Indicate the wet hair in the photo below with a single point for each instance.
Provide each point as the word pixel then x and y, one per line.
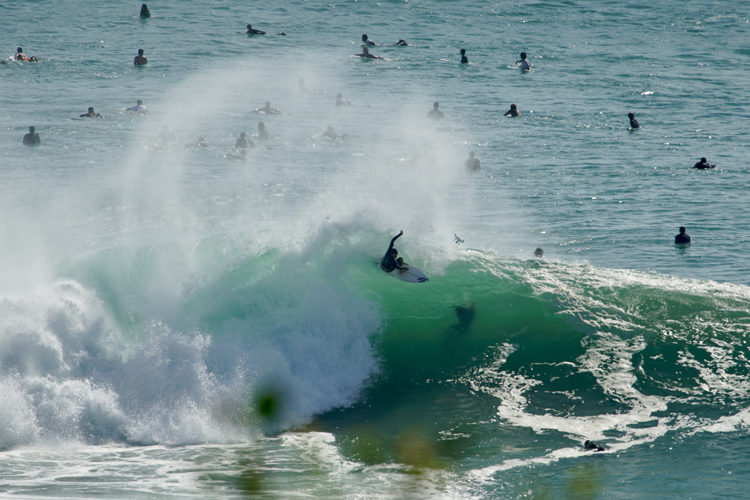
pixel 682 229
pixel 703 160
pixel 523 55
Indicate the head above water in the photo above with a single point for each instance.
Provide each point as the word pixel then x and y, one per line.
pixel 364 37
pixel 703 160
pixel 682 229
pixel 435 105
pixel 139 102
pixel 140 52
pixel 631 115
pixel 19 50
pixel 523 55
pixel 31 129
pixel 463 52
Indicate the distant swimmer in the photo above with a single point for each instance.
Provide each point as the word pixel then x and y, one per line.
pixel 138 108
pixel 243 142
pixel 340 101
pixel 267 109
pixel 366 54
pixel 253 31
pixel 592 446
pixel 538 253
pixel 525 66
pixel 633 122
pixel 703 164
pixel 401 43
pixel 391 260
pixel 32 138
pixel 472 163
pixel 682 238
pixel 464 59
pixel 435 112
pixel 20 56
pixel 513 111
pixel 331 133
pixel 262 132
pixel 90 114
pixel 367 42
pixel 140 59
pixel 145 13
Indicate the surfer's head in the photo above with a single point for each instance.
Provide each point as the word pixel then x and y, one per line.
pixel 703 160
pixel 523 55
pixel 682 229
pixel 364 37
pixel 435 105
pixel 463 52
pixel 31 129
pixel 631 115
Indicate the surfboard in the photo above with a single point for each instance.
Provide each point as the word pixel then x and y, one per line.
pixel 413 275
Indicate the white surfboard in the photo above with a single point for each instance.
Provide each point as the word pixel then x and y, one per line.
pixel 413 275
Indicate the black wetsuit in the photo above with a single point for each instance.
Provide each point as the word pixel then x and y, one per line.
pixel 703 165
pixel 682 238
pixel 634 124
pixel 388 262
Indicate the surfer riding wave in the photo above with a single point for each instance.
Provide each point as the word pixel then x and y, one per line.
pixel 391 260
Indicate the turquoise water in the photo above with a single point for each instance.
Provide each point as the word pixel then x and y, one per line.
pixel 180 320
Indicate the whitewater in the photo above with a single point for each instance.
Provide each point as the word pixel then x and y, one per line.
pixel 179 318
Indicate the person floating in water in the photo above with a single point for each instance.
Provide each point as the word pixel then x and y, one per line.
pixel 243 142
pixel 262 132
pixel 464 59
pixel 703 164
pixel 32 138
pixel 682 238
pixel 525 66
pixel 253 31
pixel 340 101
pixel 267 109
pixel 140 59
pixel 145 14
pixel 401 43
pixel 539 253
pixel 138 108
pixel 472 163
pixel 20 56
pixel 366 54
pixel 513 111
pixel 633 122
pixel 592 446
pixel 391 260
pixel 435 112
pixel 90 114
pixel 367 42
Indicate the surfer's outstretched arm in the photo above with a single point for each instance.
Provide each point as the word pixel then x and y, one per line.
pixel 394 239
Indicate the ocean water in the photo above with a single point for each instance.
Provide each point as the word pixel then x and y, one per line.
pixel 187 321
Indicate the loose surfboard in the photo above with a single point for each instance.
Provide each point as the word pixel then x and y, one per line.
pixel 413 275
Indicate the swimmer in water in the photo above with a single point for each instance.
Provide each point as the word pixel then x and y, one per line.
pixel 472 163
pixel 20 56
pixel 464 59
pixel 267 109
pixel 703 164
pixel 367 42
pixel 341 102
pixel 90 114
pixel 145 14
pixel 262 132
pixel 140 59
pixel 538 253
pixel 32 138
pixel 138 108
pixel 332 134
pixel 366 54
pixel 633 122
pixel 525 66
pixel 391 260
pixel 682 238
pixel 243 142
pixel 253 31
pixel 513 111
pixel 592 446
pixel 435 113
pixel 401 43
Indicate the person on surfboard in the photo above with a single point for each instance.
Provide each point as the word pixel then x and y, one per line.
pixel 391 260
